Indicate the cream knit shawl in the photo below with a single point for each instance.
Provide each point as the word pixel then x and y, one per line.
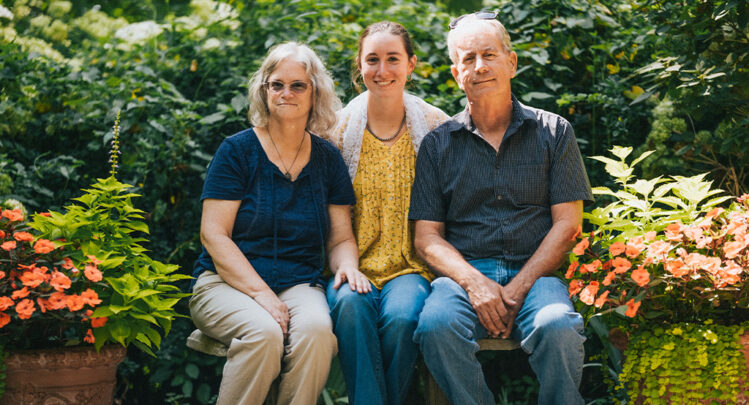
pixel 347 135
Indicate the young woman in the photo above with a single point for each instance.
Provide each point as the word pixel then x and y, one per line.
pixel 379 133
pixel 274 196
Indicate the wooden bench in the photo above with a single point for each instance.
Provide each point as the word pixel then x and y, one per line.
pixel 434 395
pixel 432 391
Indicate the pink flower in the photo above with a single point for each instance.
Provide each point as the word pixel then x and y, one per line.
pixel 659 248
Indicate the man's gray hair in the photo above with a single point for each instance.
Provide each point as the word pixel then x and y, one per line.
pixel 497 26
pixel 325 103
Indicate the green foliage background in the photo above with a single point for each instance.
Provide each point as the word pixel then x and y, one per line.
pixel 657 74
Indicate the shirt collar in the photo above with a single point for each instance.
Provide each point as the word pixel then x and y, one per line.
pixel 520 115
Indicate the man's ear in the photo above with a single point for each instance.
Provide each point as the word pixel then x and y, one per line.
pixel 454 71
pixel 514 62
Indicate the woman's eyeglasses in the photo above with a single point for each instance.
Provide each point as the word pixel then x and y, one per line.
pixel 296 87
pixel 482 15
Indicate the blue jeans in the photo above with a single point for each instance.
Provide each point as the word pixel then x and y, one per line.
pixel 547 327
pixel 375 337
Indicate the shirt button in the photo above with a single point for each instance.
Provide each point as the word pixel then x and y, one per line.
pixel 506 222
pixel 499 197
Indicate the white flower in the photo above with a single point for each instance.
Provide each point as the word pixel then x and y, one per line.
pixel 211 43
pixel 139 32
pixel 5 13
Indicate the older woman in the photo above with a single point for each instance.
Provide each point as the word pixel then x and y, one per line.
pixel 379 133
pixel 276 199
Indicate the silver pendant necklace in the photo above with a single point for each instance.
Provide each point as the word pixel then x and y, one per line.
pixel 287 171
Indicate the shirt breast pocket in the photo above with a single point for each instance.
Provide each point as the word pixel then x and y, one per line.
pixel 529 184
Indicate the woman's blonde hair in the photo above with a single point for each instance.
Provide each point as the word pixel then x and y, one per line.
pixel 325 103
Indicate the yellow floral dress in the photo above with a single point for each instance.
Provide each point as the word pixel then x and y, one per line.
pixel 383 192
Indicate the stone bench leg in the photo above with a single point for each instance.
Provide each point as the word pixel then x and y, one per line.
pixel 432 391
pixel 203 343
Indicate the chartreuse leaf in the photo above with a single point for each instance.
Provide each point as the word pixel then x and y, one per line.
pixel 621 151
pixel 120 331
pixel 644 187
pixel 145 317
pixel 143 338
pixel 642 157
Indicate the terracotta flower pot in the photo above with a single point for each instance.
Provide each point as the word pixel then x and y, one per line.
pixel 77 375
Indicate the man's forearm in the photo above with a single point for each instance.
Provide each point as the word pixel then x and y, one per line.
pixel 444 259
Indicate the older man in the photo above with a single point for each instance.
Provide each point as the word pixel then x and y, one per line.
pixel 497 201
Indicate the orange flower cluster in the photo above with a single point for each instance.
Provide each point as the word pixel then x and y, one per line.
pixel 699 263
pixel 37 277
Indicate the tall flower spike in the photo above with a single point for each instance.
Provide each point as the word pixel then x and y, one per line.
pixel 114 152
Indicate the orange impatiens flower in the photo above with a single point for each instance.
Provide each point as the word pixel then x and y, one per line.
pixel 33 278
pixel 641 276
pixel 734 248
pixel 616 248
pixel 67 263
pixel 609 278
pixel 601 299
pixel 25 309
pixel 92 273
pixel 575 287
pixel 98 322
pixel 22 293
pixel 90 297
pixel 588 294
pixel 579 249
pixel 57 300
pixel 590 267
pixel 13 215
pixel 75 302
pixel 60 281
pixel 571 269
pixel 677 268
pixel 650 236
pixel 42 304
pixel 4 319
pixel 9 245
pixel 621 265
pixel 5 303
pixel 89 337
pixel 2 234
pixel 634 247
pixel 23 236
pixel 673 231
pixel 632 308
pixel 43 246
pixel 94 260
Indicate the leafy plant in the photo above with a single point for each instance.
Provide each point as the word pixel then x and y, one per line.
pixel 686 363
pixel 137 292
pixel 656 246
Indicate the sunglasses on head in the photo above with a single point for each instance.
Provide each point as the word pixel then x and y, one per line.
pixel 277 86
pixel 482 15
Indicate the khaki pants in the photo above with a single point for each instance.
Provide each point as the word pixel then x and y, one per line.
pixel 257 351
